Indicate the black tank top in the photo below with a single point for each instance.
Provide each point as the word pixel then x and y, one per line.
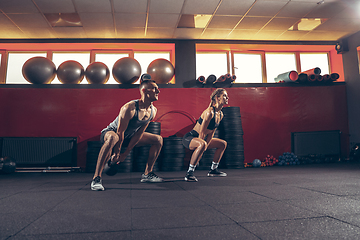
pixel 134 124
pixel 212 124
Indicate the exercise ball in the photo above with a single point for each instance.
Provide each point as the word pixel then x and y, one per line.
pixel 7 164
pixel 70 72
pixel 161 70
pixel 39 70
pixel 256 163
pixel 126 70
pixel 97 73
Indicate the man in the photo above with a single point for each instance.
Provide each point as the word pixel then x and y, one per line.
pixel 128 130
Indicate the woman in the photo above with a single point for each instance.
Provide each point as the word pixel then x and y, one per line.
pixel 201 137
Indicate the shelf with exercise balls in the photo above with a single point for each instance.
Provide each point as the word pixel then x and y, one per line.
pixel 126 70
pixel 97 73
pixel 161 71
pixel 70 72
pixel 39 70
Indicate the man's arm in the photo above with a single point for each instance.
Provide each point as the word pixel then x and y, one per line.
pixel 137 136
pixel 126 113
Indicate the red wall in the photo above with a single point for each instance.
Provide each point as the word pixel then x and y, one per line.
pixel 268 114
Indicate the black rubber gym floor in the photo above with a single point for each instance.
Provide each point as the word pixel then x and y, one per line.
pixel 318 201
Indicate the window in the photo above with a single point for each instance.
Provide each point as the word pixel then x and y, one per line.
pixel 248 68
pixel 215 63
pixel 60 57
pixel 109 60
pixel 145 58
pixel 278 63
pixel 15 64
pixel 313 60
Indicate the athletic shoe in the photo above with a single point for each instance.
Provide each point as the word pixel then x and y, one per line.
pixel 96 184
pixel 216 173
pixel 151 177
pixel 189 177
pixel 111 168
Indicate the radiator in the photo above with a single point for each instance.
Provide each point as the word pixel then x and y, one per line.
pixel 325 143
pixel 45 152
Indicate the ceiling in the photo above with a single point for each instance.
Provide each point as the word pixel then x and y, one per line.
pixel 159 19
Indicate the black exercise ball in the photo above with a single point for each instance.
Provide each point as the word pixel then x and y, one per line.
pixel 126 70
pixel 97 73
pixel 70 72
pixel 39 70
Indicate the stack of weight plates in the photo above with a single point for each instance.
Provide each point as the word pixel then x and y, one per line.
pixel 232 132
pixel 142 153
pixel 172 154
pixel 208 156
pixel 93 149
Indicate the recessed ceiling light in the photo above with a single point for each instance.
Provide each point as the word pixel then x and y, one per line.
pixel 307 24
pixel 201 20
pixel 63 19
pixel 194 21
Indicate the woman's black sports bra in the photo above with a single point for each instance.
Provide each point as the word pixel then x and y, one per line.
pixel 212 124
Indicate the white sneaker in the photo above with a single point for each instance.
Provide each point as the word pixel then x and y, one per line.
pixel 96 184
pixel 151 177
pixel 216 173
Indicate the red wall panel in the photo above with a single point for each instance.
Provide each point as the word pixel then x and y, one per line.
pixel 268 114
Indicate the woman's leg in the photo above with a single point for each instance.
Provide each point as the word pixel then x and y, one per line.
pixel 199 146
pixel 220 146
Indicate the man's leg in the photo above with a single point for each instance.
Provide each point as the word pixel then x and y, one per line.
pixel 110 139
pixel 156 142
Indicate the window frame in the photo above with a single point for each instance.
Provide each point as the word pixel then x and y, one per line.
pixel 262 57
pixel 228 60
pixel 328 58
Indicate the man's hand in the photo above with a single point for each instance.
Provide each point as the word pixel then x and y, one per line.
pixel 118 158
